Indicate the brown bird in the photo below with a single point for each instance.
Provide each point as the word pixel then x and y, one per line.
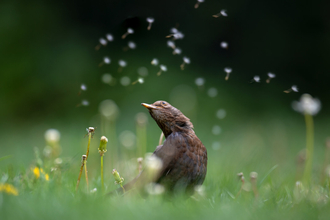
pixel 183 156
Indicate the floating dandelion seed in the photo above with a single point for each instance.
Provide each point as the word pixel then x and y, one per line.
pixel 223 13
pixel 84 102
pixel 198 2
pixel 142 71
pixel 199 81
pixel 176 35
pixel 221 114
pixel 131 45
pixel 224 45
pixel 228 70
pixel 270 76
pixel 83 87
pixel 154 61
pixel 122 64
pixel 174 30
pixel 109 37
pixel 125 81
pixel 307 105
pixel 177 51
pixel 163 68
pixel 293 88
pixel 216 130
pixel 139 80
pixel 150 20
pixel 129 31
pixel 106 60
pixel 255 79
pixel 216 145
pixel 212 92
pixel 106 78
pixel 186 60
pixel 171 44
pixel 102 42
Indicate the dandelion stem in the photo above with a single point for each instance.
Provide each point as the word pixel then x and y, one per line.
pixel 121 185
pixel 81 170
pixel 86 175
pixel 89 143
pixel 309 147
pixel 102 180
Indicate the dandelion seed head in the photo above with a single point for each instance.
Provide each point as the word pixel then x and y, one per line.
pixel 109 109
pixel 109 37
pixel 106 60
pixel 154 61
pixel 153 163
pixel 163 67
pixel 223 12
pixel 122 63
pixel 130 30
pixel 216 145
pixel 84 102
pixel 212 92
pixel 199 81
pixel 178 36
pixel 103 41
pixel 221 113
pixel 52 135
pixel 253 175
pixel 216 130
pixel 83 87
pixel 131 45
pixel 228 70
pixel 125 81
pixel 186 60
pixel 142 71
pixel 224 44
pixel 150 19
pixel 58 161
pixel 106 78
pixel 271 75
pixel 307 105
pixel 256 78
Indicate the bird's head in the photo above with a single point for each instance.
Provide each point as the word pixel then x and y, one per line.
pixel 168 118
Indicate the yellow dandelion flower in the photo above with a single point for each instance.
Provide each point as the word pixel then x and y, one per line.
pixel 9 189
pixel 37 171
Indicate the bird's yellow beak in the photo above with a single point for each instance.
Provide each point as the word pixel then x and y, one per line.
pixel 149 106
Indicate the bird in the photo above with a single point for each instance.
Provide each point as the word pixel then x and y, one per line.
pixel 183 155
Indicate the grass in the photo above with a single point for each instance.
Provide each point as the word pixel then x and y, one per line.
pixel 252 147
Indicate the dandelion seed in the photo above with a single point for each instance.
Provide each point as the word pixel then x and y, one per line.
pixel 154 61
pixel 131 45
pixel 198 2
pixel 223 13
pixel 224 45
pixel 176 36
pixel 177 51
pixel 216 145
pixel 150 20
pixel 228 70
pixel 122 64
pixel 106 60
pixel 125 81
pixel 102 42
pixel 84 102
pixel 174 30
pixel 212 92
pixel 109 37
pixel 199 81
pixel 106 78
pixel 216 130
pixel 163 68
pixel 255 79
pixel 221 114
pixel 270 76
pixel 139 80
pixel 307 105
pixel 142 71
pixel 171 44
pixel 129 31
pixel 83 87
pixel 109 109
pixel 186 60
pixel 293 88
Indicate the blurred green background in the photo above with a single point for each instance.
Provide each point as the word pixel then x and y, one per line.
pixel 48 51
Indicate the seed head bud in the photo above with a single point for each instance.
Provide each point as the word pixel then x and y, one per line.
pixel 118 179
pixel 253 175
pixel 103 145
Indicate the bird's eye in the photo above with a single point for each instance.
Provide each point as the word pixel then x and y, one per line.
pixel 163 103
